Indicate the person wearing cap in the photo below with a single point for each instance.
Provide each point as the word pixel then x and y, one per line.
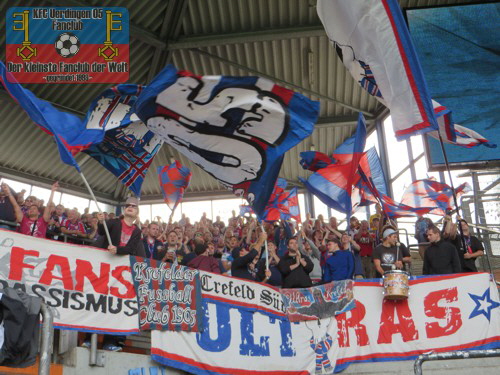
pixel 390 254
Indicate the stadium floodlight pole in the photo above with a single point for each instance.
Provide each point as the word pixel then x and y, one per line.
pixel 452 190
pixel 97 205
pixel 265 246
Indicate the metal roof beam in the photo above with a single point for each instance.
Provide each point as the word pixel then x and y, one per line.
pixel 326 122
pixel 281 81
pixel 200 41
pixel 136 31
pixel 191 197
pixel 5 96
pixel 169 30
pixel 47 183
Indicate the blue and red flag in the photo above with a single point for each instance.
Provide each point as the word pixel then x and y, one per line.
pixel 420 198
pixel 456 134
pixel 381 59
pixel 111 133
pixel 245 209
pixel 235 128
pixel 431 193
pixel 314 160
pixel 282 204
pixel 371 166
pixel 395 210
pixel 94 50
pixel 333 184
pixel 174 179
pixel 290 206
pixel 69 131
pixel 389 206
pixel 128 147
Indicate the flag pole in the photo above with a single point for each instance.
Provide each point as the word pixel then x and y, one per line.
pixel 452 189
pixel 97 205
pixel 265 246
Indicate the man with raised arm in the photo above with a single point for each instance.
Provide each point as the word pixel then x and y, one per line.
pixel 32 223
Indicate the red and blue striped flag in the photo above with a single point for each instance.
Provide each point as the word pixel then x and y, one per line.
pixel 174 179
pixel 333 184
pixel 282 204
pixel 431 193
pixel 456 134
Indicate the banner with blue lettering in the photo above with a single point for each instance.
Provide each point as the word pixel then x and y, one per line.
pixel 443 313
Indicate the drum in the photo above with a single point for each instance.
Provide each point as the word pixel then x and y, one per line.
pixel 396 284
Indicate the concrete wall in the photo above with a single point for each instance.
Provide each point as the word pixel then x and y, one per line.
pixel 136 364
pixel 77 363
pixel 476 366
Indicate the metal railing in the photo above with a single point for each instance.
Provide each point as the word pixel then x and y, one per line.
pixel 47 340
pixel 417 366
pixel 11 224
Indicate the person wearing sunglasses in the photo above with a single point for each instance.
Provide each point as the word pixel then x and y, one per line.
pixel 125 235
pixel 126 240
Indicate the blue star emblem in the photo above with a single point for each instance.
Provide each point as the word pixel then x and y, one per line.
pixel 484 305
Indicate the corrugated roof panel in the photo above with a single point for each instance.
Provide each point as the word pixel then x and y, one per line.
pixel 309 62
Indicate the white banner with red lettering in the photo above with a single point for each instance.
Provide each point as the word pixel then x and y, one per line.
pixel 87 288
pixel 443 313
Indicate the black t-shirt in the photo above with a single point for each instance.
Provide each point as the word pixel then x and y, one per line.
pixel 387 255
pixel 472 244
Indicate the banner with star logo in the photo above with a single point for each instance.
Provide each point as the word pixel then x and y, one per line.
pixel 443 313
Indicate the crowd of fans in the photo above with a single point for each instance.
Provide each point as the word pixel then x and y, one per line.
pixel 299 254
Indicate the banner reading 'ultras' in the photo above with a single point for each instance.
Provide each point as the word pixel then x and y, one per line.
pixel 443 313
pixel 68 44
pixel 87 288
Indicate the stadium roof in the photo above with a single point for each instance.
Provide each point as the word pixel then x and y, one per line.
pixel 282 40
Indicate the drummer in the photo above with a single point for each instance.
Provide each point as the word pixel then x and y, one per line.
pixel 390 254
